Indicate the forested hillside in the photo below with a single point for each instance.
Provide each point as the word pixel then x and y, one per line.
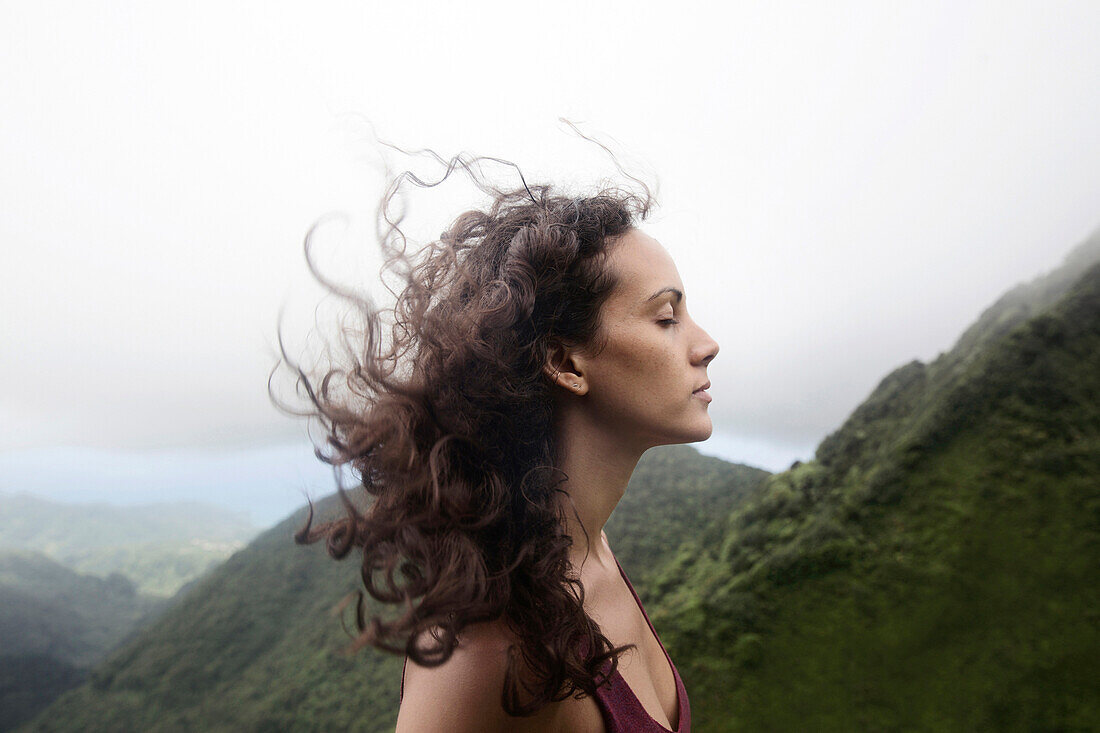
pixel 54 625
pixel 76 579
pixel 935 567
pixel 674 494
pixel 254 646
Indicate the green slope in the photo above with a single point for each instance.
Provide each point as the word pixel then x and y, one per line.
pixel 54 625
pixel 20 700
pixel 674 494
pixel 935 567
pixel 253 646
pixel 48 609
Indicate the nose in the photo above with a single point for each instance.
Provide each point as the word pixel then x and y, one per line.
pixel 705 349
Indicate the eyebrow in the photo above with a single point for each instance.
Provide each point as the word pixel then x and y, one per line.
pixel 679 294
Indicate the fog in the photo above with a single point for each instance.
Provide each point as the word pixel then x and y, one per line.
pixel 844 188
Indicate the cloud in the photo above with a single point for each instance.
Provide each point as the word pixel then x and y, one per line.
pixel 835 211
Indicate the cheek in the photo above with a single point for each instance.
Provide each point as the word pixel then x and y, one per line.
pixel 639 364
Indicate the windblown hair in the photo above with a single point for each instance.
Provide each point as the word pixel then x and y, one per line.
pixel 463 519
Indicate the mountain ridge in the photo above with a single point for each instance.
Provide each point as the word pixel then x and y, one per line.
pixel 956 491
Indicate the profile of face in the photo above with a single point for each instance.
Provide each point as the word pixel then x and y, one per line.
pixel 643 384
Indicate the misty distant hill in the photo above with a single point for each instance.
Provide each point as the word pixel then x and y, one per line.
pixel 160 547
pixel 77 579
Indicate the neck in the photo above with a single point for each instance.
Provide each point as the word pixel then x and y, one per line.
pixel 599 467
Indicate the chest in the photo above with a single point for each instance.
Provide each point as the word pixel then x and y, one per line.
pixel 645 669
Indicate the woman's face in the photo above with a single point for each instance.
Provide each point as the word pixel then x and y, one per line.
pixel 644 382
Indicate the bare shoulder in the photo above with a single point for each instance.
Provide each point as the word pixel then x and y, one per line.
pixel 464 693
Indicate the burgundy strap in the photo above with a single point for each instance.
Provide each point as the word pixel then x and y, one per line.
pixel 621 708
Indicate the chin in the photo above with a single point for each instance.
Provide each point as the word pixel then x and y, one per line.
pixel 696 435
pixel 706 431
pixel 705 434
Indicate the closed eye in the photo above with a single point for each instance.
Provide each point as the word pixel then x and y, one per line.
pixel 667 321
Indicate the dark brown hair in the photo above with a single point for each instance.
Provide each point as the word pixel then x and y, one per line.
pixel 449 428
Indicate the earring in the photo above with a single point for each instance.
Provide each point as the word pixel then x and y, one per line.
pixel 576 385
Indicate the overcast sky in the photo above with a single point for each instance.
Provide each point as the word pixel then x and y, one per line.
pixel 844 188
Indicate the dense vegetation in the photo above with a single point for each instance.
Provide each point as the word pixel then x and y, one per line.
pixel 674 493
pixel 252 647
pixel 934 568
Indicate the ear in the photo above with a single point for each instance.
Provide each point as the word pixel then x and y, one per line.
pixel 564 368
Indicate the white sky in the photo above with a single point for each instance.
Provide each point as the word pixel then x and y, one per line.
pixel 844 186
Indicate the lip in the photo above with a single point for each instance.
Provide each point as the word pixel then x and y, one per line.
pixel 702 393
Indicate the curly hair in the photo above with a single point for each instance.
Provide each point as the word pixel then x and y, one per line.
pixel 449 428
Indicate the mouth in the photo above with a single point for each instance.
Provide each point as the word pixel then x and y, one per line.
pixel 702 393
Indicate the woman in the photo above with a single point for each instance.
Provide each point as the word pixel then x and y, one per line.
pixel 537 349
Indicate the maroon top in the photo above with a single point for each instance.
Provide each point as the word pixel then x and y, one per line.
pixel 622 710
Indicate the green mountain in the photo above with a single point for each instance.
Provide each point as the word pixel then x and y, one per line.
pixel 20 700
pixel 674 493
pixel 255 645
pixel 159 547
pixel 935 567
pixel 54 625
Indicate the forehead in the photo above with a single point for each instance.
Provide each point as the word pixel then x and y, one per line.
pixel 642 267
